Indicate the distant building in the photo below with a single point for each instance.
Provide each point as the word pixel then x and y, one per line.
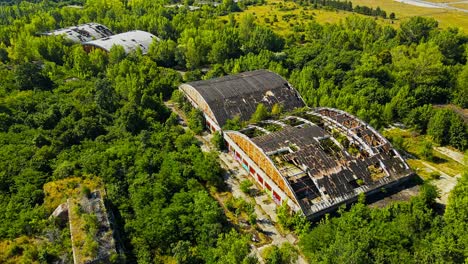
pixel 82 33
pixel 190 8
pixel 94 35
pixel 314 160
pixel 130 41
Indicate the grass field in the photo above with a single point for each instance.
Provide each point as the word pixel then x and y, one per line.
pixel 446 18
pixel 461 5
pixel 443 1
pixel 282 16
pixel 413 143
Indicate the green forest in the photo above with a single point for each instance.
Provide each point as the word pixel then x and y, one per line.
pixel 67 113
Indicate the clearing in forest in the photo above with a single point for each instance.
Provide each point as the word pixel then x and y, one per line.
pixel 413 144
pixel 283 16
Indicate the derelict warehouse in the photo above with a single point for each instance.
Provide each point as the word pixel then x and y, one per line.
pixel 314 159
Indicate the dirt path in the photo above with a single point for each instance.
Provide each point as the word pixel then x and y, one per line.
pixel 455 155
pixel 444 183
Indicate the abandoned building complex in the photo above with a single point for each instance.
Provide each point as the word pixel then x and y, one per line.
pixel 93 35
pixel 314 159
pixel 82 33
pixel 130 41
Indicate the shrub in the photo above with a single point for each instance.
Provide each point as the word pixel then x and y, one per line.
pixel 245 186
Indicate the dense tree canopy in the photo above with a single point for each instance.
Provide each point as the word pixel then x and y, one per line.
pixel 65 112
pixel 404 232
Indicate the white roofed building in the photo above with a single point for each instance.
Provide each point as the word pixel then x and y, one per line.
pixel 130 41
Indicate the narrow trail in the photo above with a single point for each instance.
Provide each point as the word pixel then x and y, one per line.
pixel 445 183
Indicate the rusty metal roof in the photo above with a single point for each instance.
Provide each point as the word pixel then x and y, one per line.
pixel 240 94
pixel 321 171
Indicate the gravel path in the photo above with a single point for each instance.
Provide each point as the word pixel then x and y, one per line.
pixel 455 155
pixel 444 183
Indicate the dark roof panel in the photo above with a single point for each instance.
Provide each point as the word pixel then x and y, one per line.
pixel 322 172
pixel 240 94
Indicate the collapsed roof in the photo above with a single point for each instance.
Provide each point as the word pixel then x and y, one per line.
pixel 238 95
pixel 82 33
pixel 130 41
pixel 326 156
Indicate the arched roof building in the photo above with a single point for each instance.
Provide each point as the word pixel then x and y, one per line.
pixel 82 33
pixel 130 41
pixel 315 160
pixel 238 95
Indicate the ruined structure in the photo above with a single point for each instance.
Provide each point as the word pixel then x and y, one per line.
pixel 314 160
pixel 82 33
pixel 90 229
pixel 84 212
pixel 318 159
pixel 94 35
pixel 130 41
pixel 224 98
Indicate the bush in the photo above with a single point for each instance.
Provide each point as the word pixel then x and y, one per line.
pixel 252 218
pixel 218 141
pixel 434 175
pixel 196 121
pixel 399 143
pixel 426 150
pixel 86 192
pixel 245 186
pixel 280 255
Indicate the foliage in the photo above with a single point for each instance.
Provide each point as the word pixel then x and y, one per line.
pixel 426 150
pixel 407 232
pixel 218 141
pixel 233 124
pixel 276 110
pixel 446 127
pixel 196 121
pixel 66 114
pixel 285 254
pixel 399 143
pixel 292 221
pixel 231 248
pixel 261 113
pixel 245 186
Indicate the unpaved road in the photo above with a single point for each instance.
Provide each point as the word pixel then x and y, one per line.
pixel 455 155
pixel 444 183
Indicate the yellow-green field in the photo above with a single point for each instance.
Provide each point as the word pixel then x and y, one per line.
pixel 443 1
pixel 446 18
pixel 461 5
pixel 413 143
pixel 288 14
